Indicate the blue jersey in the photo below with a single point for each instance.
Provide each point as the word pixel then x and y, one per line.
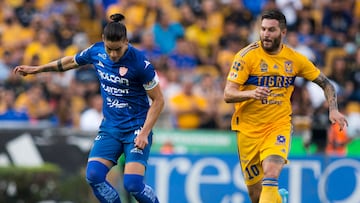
pixel 123 85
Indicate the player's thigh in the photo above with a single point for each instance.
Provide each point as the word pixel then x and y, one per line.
pixel 136 158
pixel 249 156
pixel 277 142
pixel 106 147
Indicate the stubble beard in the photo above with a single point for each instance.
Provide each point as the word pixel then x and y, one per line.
pixel 274 47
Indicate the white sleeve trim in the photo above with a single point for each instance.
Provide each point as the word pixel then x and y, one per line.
pixel 152 83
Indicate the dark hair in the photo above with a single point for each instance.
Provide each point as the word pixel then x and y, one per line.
pixel 115 30
pixel 276 15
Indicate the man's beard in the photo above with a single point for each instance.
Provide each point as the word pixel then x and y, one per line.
pixel 274 47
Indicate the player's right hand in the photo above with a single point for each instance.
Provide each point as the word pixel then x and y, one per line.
pixel 261 93
pixel 24 70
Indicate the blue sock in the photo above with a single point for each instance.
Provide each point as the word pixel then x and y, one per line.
pixel 96 177
pixel 133 183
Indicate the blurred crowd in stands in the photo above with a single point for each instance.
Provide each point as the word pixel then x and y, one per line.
pixel 190 42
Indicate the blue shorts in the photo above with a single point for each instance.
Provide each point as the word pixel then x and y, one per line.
pixel 110 144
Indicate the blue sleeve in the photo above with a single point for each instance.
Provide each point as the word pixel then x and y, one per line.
pixel 84 57
pixel 148 72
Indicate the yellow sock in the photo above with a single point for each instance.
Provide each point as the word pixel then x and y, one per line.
pixel 269 192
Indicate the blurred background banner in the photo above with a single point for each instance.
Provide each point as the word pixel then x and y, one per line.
pixel 217 178
pixel 191 166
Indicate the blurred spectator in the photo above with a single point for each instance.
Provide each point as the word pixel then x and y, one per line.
pixel 140 15
pixel 302 110
pixel 13 35
pixel 290 8
pixel 255 6
pixel 187 108
pixel 66 27
pixel 354 66
pixel 151 50
pixel 25 12
pixel 336 22
pixel 166 32
pixel 92 116
pixel 171 86
pixel 34 103
pixel 293 41
pixel 43 47
pixel 306 26
pixel 6 65
pixel 187 15
pixel 7 111
pixel 16 84
pixel 237 13
pixel 72 104
pixel 319 127
pixel 214 17
pixel 340 76
pixel 86 77
pixel 203 39
pixel 183 58
pixel 210 89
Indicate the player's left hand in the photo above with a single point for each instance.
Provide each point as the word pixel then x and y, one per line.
pixel 141 141
pixel 336 117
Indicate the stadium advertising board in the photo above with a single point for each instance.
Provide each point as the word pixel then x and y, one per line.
pixel 218 179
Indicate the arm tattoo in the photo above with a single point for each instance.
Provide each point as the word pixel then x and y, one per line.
pixel 329 91
pixel 59 66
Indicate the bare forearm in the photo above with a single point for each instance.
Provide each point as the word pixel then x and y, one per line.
pixel 232 96
pixel 153 115
pixel 329 91
pixel 60 65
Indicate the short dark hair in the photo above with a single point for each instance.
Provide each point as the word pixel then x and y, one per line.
pixel 276 15
pixel 115 30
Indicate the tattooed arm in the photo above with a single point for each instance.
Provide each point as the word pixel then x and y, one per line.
pixel 60 65
pixel 329 90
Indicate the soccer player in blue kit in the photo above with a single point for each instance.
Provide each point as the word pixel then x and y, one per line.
pixel 127 81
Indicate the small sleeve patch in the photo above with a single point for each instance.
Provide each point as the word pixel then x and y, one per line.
pixel 152 83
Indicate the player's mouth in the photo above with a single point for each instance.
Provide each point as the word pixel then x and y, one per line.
pixel 267 42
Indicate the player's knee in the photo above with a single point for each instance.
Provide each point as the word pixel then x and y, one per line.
pixel 96 172
pixel 133 183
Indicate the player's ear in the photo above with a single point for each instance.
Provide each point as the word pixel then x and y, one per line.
pixel 103 37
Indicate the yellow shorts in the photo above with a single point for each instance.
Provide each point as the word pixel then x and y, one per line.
pixel 253 149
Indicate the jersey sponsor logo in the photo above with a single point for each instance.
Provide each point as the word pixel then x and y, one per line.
pixel 100 64
pixel 233 75
pixel 114 103
pixel 114 91
pixel 113 78
pixel 271 101
pixel 123 70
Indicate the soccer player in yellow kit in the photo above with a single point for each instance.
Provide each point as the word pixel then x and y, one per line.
pixel 260 83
